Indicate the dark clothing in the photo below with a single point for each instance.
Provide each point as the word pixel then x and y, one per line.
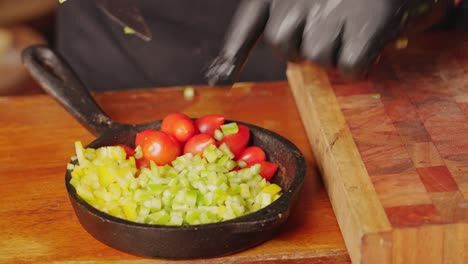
pixel 187 35
pixel 456 20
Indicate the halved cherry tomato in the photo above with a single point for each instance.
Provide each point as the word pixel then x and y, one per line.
pixel 159 146
pixel 142 163
pixel 128 150
pixel 237 142
pixel 198 143
pixel 208 124
pixel 268 169
pixel 251 155
pixel 178 125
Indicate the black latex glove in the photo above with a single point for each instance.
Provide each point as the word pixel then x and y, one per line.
pixel 347 34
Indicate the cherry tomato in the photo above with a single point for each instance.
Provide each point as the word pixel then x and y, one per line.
pixel 268 169
pixel 140 137
pixel 178 125
pixel 128 150
pixel 159 146
pixel 198 143
pixel 237 142
pixel 251 155
pixel 208 124
pixel 142 163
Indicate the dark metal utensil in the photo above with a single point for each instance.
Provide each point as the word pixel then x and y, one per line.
pixel 127 14
pixel 173 242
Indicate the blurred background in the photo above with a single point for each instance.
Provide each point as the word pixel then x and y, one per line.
pixel 27 22
pixel 22 23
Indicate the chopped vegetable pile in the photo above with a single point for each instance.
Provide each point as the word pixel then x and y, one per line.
pixel 186 173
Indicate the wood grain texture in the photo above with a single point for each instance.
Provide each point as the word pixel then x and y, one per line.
pixel 36 141
pixel 406 134
pixel 353 196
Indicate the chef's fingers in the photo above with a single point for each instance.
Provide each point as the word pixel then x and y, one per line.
pixel 246 27
pixel 364 37
pixel 322 40
pixel 285 27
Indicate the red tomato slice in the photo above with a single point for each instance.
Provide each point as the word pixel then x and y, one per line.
pixel 208 124
pixel 128 150
pixel 237 142
pixel 142 163
pixel 178 125
pixel 251 155
pixel 198 143
pixel 268 169
pixel 159 146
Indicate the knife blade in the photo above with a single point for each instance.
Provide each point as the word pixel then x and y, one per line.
pixel 128 15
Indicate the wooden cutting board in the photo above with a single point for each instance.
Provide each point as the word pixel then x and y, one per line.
pixel 393 151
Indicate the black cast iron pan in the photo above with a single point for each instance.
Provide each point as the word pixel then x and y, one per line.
pixel 185 242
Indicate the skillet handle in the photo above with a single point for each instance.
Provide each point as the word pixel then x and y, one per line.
pixel 59 80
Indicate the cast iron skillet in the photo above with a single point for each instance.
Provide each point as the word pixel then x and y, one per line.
pixel 186 242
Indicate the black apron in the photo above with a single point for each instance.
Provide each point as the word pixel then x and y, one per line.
pixel 187 35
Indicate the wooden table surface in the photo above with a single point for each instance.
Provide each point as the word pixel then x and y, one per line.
pixel 38 225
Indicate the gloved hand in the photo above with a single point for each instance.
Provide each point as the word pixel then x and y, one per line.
pixel 347 34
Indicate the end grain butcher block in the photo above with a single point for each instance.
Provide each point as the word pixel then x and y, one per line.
pixel 393 151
